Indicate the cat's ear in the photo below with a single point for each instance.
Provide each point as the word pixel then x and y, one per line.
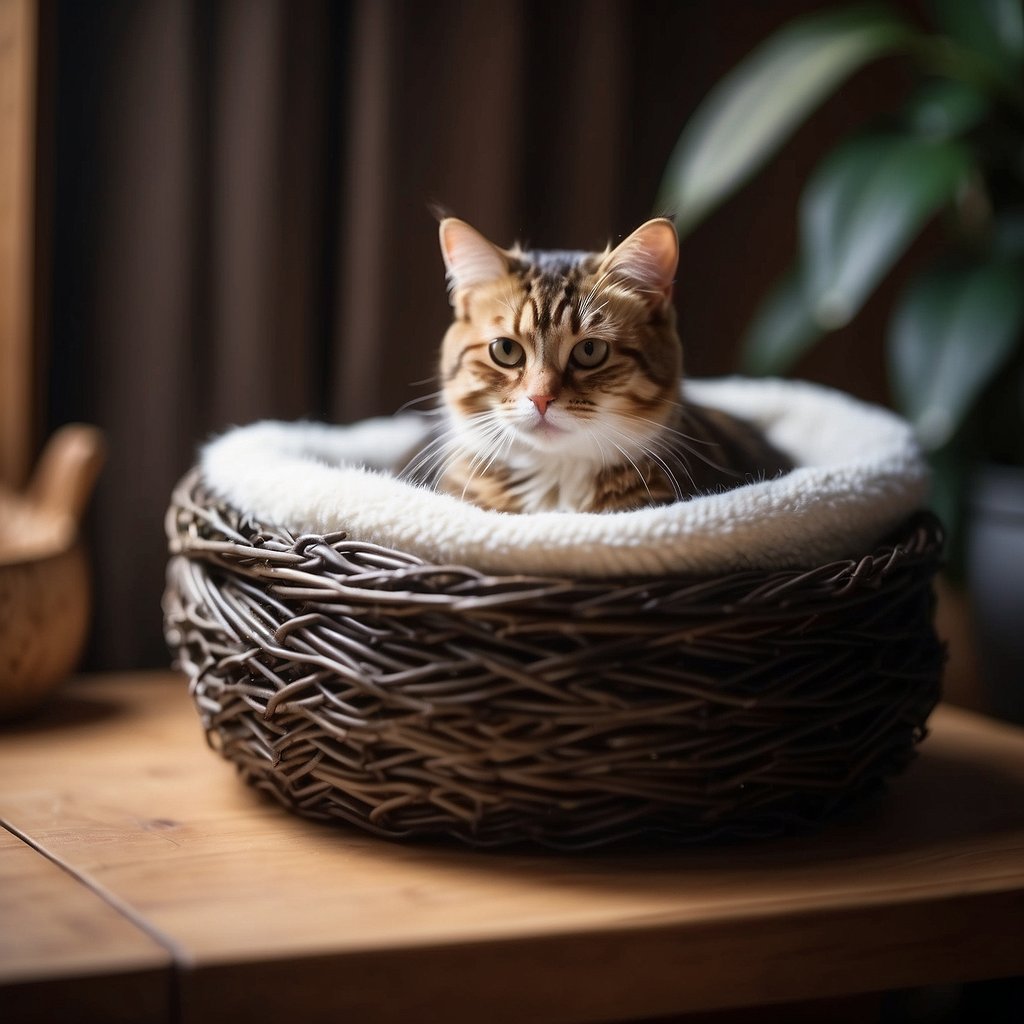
pixel 647 260
pixel 469 258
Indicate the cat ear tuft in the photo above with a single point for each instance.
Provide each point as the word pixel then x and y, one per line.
pixel 647 260
pixel 469 258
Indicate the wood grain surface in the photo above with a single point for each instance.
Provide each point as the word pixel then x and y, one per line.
pixel 62 946
pixel 268 915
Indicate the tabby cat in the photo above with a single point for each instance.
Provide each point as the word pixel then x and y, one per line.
pixel 561 382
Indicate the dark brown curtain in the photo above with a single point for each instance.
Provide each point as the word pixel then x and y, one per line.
pixel 241 226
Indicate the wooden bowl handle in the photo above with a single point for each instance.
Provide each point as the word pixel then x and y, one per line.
pixel 66 472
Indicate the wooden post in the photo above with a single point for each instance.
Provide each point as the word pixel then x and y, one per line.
pixel 18 47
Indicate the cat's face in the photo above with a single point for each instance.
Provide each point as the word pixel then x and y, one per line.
pixel 563 353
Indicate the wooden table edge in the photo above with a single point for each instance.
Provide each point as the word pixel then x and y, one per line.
pixel 141 986
pixel 596 976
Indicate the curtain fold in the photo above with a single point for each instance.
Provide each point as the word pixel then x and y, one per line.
pixel 242 225
pixel 134 289
pixel 365 183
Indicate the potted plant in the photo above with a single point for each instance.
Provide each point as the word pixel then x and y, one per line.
pixel 952 152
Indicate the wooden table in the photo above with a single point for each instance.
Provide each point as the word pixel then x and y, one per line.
pixel 140 880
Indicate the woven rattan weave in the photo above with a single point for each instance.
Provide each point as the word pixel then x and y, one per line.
pixel 357 683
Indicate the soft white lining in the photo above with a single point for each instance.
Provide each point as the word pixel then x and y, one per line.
pixel 859 474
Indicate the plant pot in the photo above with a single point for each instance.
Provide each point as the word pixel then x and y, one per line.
pixel 995 568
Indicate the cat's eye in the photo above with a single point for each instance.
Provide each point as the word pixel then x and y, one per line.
pixel 506 352
pixel 590 353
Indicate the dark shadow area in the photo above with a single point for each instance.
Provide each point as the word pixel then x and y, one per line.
pixel 942 800
pixel 63 710
pixel 999 1001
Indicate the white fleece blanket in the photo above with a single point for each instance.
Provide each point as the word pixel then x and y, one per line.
pixel 859 474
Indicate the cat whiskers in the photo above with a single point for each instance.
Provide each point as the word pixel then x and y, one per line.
pixel 595 437
pixel 643 479
pixel 438 455
pixel 423 468
pixel 499 449
pixel 686 441
pixel 587 313
pixel 433 395
pixel 510 301
pixel 686 413
pixel 663 459
pixel 659 453
pixel 496 440
pixel 585 303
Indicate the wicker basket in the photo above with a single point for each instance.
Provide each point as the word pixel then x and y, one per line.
pixel 355 682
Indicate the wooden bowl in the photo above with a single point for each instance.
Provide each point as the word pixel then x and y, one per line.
pixel 44 579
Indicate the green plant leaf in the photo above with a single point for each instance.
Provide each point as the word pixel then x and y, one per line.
pixel 944 109
pixel 954 329
pixel 751 111
pixel 782 328
pixel 992 28
pixel 862 208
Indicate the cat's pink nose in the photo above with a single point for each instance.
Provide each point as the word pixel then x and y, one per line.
pixel 542 402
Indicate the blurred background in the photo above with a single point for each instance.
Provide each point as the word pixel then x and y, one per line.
pixel 232 213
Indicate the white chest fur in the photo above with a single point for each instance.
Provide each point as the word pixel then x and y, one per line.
pixel 554 483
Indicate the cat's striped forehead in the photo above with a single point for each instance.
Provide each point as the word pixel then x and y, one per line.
pixel 550 288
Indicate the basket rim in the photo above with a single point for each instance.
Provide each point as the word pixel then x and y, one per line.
pixel 860 475
pixel 200 528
